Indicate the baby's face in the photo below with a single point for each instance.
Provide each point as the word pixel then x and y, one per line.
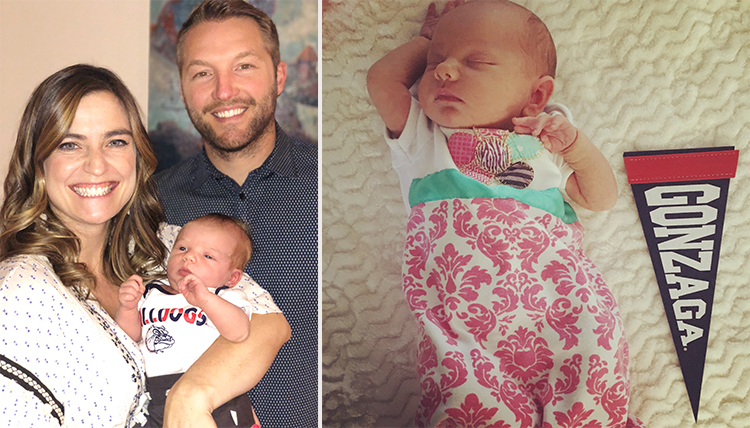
pixel 477 74
pixel 205 251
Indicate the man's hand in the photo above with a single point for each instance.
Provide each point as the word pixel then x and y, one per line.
pixel 432 18
pixel 131 292
pixel 187 408
pixel 556 132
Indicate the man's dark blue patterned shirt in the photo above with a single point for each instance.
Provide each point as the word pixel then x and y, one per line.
pixel 279 201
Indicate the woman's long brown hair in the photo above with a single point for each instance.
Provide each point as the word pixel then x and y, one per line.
pixel 27 223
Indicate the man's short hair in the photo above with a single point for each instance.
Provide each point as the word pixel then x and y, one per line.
pixel 221 10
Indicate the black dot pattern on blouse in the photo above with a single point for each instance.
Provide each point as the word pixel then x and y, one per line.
pixel 69 344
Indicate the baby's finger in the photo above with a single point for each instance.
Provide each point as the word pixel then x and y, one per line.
pixel 452 4
pixel 127 287
pixel 136 280
pixel 523 125
pixel 432 11
pixel 560 119
pixel 180 284
pixel 542 123
pixel 187 282
pixel 523 120
pixel 521 129
pixel 555 125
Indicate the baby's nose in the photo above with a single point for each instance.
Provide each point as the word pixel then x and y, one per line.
pixel 447 70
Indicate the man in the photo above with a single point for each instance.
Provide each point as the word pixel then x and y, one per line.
pixel 230 76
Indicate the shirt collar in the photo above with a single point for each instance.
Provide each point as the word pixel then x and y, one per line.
pixel 280 161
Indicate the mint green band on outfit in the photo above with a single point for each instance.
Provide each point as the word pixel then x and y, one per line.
pixel 452 184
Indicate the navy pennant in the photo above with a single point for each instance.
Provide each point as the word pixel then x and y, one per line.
pixel 681 198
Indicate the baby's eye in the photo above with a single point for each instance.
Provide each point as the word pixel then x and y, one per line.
pixel 479 65
pixel 479 62
pixel 208 256
pixel 181 248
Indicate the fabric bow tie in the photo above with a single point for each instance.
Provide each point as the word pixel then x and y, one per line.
pixel 495 156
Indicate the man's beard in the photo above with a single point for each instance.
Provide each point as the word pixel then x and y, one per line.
pixel 237 140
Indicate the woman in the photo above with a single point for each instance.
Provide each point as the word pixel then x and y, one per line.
pixel 79 217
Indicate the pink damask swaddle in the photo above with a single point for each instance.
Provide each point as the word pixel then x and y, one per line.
pixel 518 327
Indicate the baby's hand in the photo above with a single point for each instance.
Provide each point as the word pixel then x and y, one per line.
pixel 556 132
pixel 432 18
pixel 194 290
pixel 131 292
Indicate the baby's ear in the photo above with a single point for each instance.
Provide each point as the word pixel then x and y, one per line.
pixel 541 93
pixel 234 278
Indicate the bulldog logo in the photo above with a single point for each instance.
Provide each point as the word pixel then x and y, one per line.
pixel 158 339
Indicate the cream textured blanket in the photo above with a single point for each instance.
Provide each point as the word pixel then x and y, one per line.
pixel 637 75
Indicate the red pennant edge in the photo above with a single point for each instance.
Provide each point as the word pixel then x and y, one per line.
pixel 692 166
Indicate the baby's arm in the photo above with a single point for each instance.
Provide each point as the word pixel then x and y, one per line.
pixel 231 321
pixel 127 316
pixel 389 79
pixel 592 184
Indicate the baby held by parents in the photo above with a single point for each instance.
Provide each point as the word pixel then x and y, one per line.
pixel 80 217
pixel 176 320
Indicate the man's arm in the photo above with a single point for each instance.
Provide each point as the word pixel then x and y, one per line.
pixel 225 371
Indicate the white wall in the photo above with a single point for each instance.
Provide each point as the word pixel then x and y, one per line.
pixel 39 37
